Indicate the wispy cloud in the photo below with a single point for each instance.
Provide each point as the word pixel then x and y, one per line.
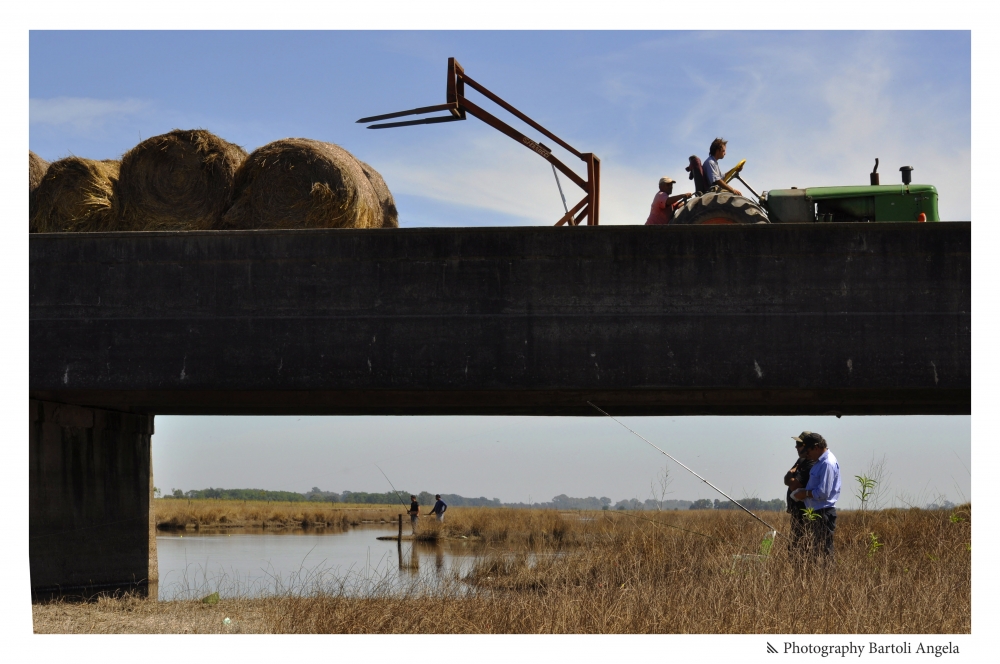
pixel 487 171
pixel 82 113
pixel 493 174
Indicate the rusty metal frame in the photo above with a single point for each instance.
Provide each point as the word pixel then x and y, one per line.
pixel 459 107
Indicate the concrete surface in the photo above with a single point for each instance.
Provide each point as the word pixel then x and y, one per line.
pixel 90 480
pixel 778 319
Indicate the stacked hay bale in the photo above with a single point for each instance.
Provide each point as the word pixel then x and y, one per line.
pixel 74 195
pixel 182 180
pixel 390 217
pixel 302 183
pixel 36 170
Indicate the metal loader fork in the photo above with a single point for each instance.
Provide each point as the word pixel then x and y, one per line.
pixel 458 106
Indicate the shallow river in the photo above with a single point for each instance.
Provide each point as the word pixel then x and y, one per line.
pixel 254 562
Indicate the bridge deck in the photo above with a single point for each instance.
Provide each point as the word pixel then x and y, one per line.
pixel 778 319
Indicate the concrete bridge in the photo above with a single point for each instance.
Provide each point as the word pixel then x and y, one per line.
pixel 781 319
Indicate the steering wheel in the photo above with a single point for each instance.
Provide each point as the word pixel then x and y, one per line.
pixel 732 172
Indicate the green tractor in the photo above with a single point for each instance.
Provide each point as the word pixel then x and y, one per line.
pixel 875 202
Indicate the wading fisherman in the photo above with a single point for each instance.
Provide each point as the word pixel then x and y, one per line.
pixel 820 494
pixel 796 478
pixel 414 513
pixel 439 508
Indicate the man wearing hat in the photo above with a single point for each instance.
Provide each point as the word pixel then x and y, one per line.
pixel 796 478
pixel 820 492
pixel 662 209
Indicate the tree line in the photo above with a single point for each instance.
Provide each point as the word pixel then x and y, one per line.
pixel 560 502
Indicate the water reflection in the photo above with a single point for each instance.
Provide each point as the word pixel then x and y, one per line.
pixel 255 562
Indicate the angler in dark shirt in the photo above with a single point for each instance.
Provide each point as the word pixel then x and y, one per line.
pixel 797 477
pixel 415 513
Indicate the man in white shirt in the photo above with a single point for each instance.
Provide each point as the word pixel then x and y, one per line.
pixel 711 168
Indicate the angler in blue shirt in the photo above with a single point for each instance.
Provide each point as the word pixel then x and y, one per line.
pixel 821 492
pixel 439 508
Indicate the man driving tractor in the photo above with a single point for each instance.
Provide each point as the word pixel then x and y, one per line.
pixel 713 174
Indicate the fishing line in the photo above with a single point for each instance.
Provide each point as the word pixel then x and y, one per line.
pixel 393 488
pixel 685 468
pixel 659 523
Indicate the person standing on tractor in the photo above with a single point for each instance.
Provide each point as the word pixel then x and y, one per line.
pixel 662 209
pixel 696 173
pixel 713 174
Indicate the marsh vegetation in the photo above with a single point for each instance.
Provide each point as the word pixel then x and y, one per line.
pixel 896 571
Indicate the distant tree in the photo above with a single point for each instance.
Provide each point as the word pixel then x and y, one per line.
pixel 318 495
pixel 702 504
pixel 753 504
pixel 659 489
pixel 244 494
pixel 177 493
pixel 156 492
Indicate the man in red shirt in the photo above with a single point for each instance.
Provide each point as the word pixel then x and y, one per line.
pixel 662 209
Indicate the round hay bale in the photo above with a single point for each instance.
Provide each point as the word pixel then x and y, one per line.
pixel 75 195
pixel 390 217
pixel 302 183
pixel 182 180
pixel 36 170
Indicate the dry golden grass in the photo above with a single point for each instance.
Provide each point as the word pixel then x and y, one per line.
pixel 178 514
pixel 620 574
pixel 528 528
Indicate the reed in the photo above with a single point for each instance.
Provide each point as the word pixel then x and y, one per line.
pixel 619 573
pixel 180 514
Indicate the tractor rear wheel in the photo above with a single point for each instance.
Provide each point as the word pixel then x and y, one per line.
pixel 719 208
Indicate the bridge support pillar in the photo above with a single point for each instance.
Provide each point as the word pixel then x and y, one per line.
pixel 91 527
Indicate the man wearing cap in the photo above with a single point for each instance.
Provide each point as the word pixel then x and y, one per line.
pixel 713 174
pixel 820 493
pixel 662 209
pixel 796 478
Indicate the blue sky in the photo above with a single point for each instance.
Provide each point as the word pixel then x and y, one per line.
pixel 521 458
pixel 804 108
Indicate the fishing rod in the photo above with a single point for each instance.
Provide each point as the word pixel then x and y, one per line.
pixel 735 502
pixel 393 488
